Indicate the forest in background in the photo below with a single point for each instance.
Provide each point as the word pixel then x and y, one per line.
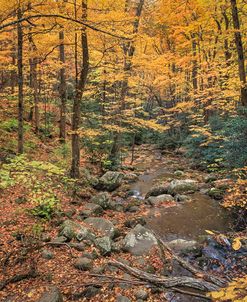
pixel 83 84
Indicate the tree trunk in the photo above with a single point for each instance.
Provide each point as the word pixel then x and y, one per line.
pixel 240 51
pixel 20 81
pixel 75 165
pixel 62 89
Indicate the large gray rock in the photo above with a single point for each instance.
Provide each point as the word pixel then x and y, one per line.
pixel 102 199
pixel 53 295
pixel 91 209
pixel 104 244
pixel 158 190
pixel 102 225
pixel 139 241
pixel 183 186
pixel 73 230
pixel 110 181
pixel 156 200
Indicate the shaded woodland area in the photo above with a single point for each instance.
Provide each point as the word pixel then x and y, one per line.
pixel 116 117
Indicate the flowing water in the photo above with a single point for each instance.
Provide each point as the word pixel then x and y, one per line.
pixel 187 220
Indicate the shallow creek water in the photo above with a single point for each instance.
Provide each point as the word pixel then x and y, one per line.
pixel 187 220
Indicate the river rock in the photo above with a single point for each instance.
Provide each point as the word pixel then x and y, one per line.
pixel 83 264
pixel 139 241
pixel 73 230
pixel 182 198
pixel 104 244
pixel 141 294
pixel 102 199
pixel 156 200
pixel 53 295
pixel 130 177
pixel 102 225
pixel 158 190
pixel 122 299
pixel 91 209
pixel 183 186
pixel 181 244
pixel 46 254
pixel 110 181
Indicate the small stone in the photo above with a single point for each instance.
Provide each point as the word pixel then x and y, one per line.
pixel 59 239
pixel 102 199
pixel 83 264
pixel 78 246
pixel 98 270
pixel 141 294
pixel 53 295
pixel 122 299
pixel 48 255
pixel 182 198
pixel 88 293
pixel 91 209
pixel 104 245
pixel 133 209
pixel 179 173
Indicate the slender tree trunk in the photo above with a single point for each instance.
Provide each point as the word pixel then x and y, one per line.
pixel 240 51
pixel 62 89
pixel 20 81
pixel 75 171
pixel 194 65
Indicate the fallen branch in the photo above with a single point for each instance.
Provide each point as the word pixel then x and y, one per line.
pixel 220 282
pixel 167 282
pixel 17 278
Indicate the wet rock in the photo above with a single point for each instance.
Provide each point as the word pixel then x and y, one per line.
pixel 73 230
pixel 130 177
pixel 141 294
pixel 139 241
pixel 83 264
pixel 216 193
pixel 102 199
pixel 48 255
pixel 102 225
pixel 110 181
pixel 104 244
pixel 183 186
pixel 131 223
pixel 156 200
pixel 53 295
pixel 181 244
pixel 91 209
pixel 182 198
pixel 158 190
pixel 123 299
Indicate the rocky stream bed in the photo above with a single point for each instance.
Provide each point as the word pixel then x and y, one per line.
pixel 160 195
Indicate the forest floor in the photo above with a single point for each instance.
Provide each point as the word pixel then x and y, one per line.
pixel 31 262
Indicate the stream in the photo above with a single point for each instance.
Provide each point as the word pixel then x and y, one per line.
pixel 187 220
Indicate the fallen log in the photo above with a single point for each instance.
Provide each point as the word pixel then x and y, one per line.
pixel 167 282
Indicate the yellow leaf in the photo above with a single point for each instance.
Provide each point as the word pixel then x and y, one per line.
pixel 209 232
pixel 236 245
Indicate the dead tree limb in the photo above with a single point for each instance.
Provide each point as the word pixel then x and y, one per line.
pixel 220 282
pixel 167 282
